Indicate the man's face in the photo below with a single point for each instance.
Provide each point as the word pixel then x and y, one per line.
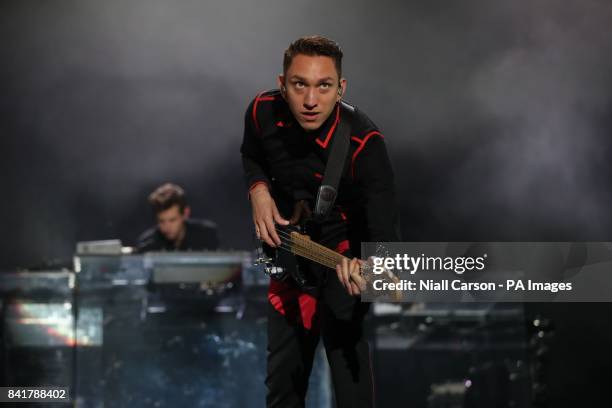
pixel 311 89
pixel 171 222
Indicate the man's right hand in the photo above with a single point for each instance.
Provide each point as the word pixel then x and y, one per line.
pixel 265 214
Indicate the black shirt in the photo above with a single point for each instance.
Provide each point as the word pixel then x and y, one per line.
pixel 277 151
pixel 199 235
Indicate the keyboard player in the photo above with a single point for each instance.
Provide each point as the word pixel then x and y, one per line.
pixel 175 230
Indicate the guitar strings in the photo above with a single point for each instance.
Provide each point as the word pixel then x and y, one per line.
pixel 308 255
pixel 311 245
pixel 305 247
pixel 313 249
pixel 292 245
pixel 327 261
pixel 296 247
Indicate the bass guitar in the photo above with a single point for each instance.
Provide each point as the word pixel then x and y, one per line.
pixel 280 264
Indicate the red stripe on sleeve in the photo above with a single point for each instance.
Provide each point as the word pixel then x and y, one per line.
pixel 255 112
pixel 258 99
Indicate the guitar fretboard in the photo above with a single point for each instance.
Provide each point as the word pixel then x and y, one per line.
pixel 302 245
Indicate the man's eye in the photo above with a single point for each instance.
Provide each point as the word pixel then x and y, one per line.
pixel 325 86
pixel 299 84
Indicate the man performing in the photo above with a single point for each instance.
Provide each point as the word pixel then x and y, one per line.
pixel 174 230
pixel 287 141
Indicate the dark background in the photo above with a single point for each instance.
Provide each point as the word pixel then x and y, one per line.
pixel 496 115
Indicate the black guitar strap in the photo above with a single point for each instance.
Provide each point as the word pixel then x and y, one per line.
pixel 328 191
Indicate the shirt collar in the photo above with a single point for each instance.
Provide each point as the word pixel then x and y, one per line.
pixel 321 136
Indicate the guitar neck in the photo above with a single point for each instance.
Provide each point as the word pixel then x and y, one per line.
pixel 302 245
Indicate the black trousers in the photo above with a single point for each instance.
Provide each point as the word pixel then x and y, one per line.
pixel 291 348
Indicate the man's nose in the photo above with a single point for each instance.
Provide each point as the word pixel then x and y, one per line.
pixel 310 99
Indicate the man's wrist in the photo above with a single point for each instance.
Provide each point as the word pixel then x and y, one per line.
pixel 258 187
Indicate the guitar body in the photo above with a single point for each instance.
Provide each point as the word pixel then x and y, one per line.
pixel 284 265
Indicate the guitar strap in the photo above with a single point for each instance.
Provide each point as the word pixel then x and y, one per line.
pixel 328 191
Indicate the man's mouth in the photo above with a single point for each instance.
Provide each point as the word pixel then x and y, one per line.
pixel 310 115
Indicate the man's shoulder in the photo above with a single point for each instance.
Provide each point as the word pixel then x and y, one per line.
pixel 201 234
pixel 359 121
pixel 265 100
pixel 363 129
pixel 201 224
pixel 271 93
pixel 267 111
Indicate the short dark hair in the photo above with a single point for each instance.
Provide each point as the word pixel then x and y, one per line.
pixel 314 45
pixel 166 196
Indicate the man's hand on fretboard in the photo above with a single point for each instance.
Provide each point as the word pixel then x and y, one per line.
pixel 349 274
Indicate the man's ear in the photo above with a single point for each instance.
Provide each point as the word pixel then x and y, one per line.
pixel 282 86
pixel 341 89
pixel 187 212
